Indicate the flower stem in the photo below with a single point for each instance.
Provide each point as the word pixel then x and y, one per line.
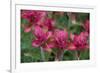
pixel 59 55
pixel 42 54
pixel 77 55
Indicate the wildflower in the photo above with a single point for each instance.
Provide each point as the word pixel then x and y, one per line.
pixel 49 23
pixel 43 39
pixel 33 18
pixel 61 38
pixel 79 42
pixel 87 26
pixel 40 36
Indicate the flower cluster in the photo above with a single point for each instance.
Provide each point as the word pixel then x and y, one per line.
pixel 48 36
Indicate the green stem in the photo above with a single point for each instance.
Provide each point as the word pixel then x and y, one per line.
pixel 77 55
pixel 42 54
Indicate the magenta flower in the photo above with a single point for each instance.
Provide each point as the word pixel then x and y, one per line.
pixel 49 45
pixel 39 17
pixel 28 15
pixel 87 26
pixel 49 24
pixel 34 18
pixel 61 38
pixel 28 29
pixel 43 39
pixel 40 37
pixel 79 42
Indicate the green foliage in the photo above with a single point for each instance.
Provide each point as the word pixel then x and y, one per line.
pixel 26 40
pixel 85 55
pixel 69 55
pixel 61 21
pixel 24 21
pixel 76 29
pixel 82 17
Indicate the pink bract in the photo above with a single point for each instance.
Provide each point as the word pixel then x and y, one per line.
pixel 87 26
pixel 61 38
pixel 32 16
pixel 49 23
pixel 43 39
pixel 40 36
pixel 79 42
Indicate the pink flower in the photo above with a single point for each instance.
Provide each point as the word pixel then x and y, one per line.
pixel 34 18
pixel 36 43
pixel 49 45
pixel 49 23
pixel 79 42
pixel 43 39
pixel 87 26
pixel 40 37
pixel 39 17
pixel 27 29
pixel 61 38
pixel 71 46
pixel 28 15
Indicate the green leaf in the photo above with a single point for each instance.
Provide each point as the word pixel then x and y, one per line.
pixel 24 21
pixel 69 55
pixel 85 55
pixel 76 29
